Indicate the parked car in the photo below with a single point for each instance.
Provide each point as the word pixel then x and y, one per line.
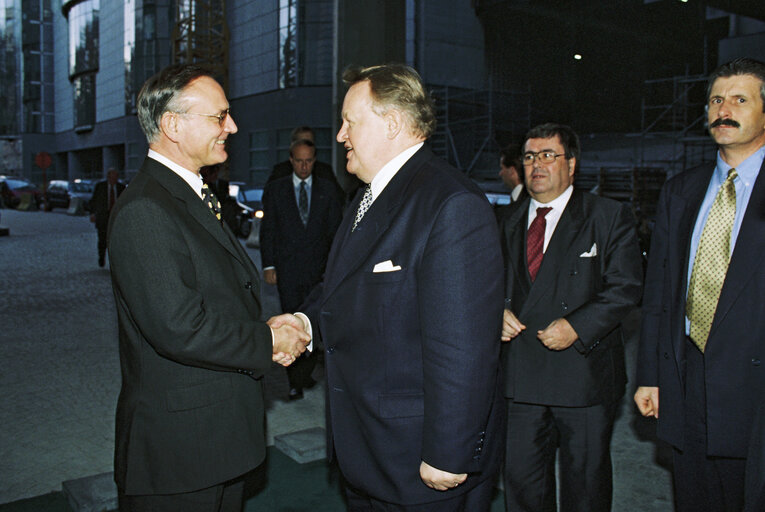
pixel 498 198
pixel 13 189
pixel 239 215
pixel 60 193
pixel 252 197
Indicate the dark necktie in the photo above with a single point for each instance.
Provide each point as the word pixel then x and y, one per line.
pixel 711 263
pixel 535 241
pixel 111 196
pixel 364 205
pixel 303 203
pixel 211 201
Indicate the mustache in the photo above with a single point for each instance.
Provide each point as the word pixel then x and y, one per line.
pixel 725 122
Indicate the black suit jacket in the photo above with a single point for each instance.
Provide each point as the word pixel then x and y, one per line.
pixel 735 350
pixel 99 202
pixel 591 275
pixel 411 355
pixel 299 252
pixel 192 348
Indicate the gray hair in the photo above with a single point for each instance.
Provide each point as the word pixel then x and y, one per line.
pixel 162 93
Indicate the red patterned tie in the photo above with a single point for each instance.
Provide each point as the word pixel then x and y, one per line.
pixel 535 241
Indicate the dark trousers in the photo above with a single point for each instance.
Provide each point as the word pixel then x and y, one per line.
pixel 477 499
pixel 226 497
pixel 703 483
pixel 299 372
pixel 101 242
pixel 582 435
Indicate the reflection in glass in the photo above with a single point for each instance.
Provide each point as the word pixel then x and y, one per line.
pixel 128 54
pixel 288 47
pixel 8 69
pixel 83 60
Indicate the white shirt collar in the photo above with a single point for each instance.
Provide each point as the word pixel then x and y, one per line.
pixel 193 179
pixel 516 191
pixel 557 204
pixel 296 180
pixel 389 170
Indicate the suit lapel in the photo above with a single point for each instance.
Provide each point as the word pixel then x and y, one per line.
pixel 558 250
pixel 682 214
pixel 196 208
pixel 750 245
pixel 356 246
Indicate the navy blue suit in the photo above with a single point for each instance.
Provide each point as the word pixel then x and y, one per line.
pixel 732 361
pixel 412 354
pixel 299 252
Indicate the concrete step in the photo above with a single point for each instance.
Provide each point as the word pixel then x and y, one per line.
pixel 96 493
pixel 303 445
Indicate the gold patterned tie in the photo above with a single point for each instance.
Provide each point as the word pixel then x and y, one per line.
pixel 711 263
pixel 208 196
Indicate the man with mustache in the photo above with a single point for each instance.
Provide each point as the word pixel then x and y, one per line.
pixel 572 267
pixel 703 329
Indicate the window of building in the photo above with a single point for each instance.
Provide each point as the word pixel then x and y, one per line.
pixel 133 156
pixel 289 64
pixel 83 59
pixel 9 70
pixel 260 156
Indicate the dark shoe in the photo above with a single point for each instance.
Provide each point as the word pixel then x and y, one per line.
pixel 309 383
pixel 101 261
pixel 295 394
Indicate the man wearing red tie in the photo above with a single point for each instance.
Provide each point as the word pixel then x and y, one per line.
pixel 573 272
pixel 104 196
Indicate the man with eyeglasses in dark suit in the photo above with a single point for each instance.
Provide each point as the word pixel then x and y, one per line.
pixel 573 272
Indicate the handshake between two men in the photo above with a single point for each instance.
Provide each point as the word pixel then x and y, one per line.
pixel 291 337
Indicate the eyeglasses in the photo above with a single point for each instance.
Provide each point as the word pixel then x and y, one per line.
pixel 545 157
pixel 221 117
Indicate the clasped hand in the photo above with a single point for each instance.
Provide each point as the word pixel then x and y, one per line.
pixel 290 338
pixel 558 335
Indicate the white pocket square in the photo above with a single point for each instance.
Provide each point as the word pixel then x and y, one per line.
pixel 386 266
pixel 591 253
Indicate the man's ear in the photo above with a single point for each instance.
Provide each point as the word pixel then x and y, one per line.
pixel 169 125
pixel 394 123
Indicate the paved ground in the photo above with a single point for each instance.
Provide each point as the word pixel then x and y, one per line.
pixel 59 371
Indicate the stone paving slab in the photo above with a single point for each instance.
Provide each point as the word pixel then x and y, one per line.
pixel 303 445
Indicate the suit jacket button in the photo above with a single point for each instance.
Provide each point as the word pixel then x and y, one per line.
pixel 564 306
pixel 755 362
pixel 330 350
pixel 666 355
pixel 248 285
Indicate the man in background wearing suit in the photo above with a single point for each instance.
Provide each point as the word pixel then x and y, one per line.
pixel 190 414
pixel 320 169
pixel 511 172
pixel 105 194
pixel 409 312
pixel 703 331
pixel 301 215
pixel 573 273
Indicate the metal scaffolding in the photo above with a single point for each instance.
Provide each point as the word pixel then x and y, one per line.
pixel 201 36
